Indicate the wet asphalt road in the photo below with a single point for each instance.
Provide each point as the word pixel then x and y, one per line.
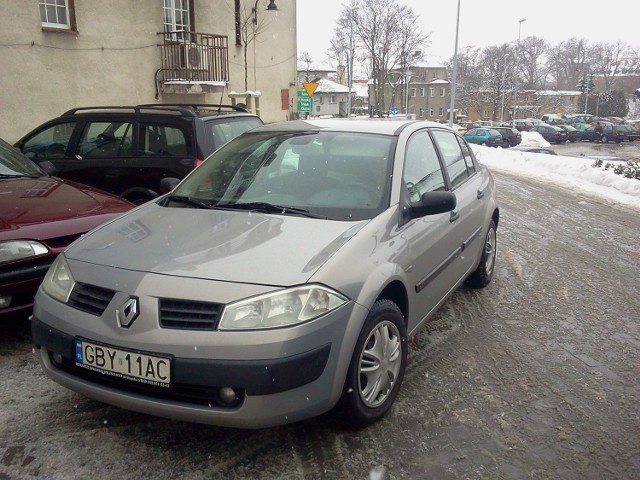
pixel 535 377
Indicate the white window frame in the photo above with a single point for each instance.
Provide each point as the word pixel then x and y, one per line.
pixel 170 9
pixel 432 92
pixel 422 92
pixel 431 112
pixel 442 91
pixel 440 111
pixel 332 99
pixel 64 8
pixel 412 92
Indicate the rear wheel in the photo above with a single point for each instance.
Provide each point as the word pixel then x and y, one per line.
pixel 604 139
pixel 482 275
pixel 377 366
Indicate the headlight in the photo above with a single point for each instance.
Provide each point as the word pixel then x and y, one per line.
pixel 280 309
pixel 17 249
pixel 58 282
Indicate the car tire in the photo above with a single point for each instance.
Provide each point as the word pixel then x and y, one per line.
pixel 379 360
pixel 604 139
pixel 482 275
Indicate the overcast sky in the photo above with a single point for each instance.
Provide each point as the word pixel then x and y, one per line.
pixel 484 23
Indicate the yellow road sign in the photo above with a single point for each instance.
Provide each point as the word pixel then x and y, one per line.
pixel 310 87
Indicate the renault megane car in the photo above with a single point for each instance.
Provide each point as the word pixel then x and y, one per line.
pixel 279 280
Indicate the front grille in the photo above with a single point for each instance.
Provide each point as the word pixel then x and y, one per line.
pixel 188 315
pixel 90 299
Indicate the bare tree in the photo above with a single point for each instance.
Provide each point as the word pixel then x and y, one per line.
pixel 608 60
pixel 385 30
pixel 248 29
pixel 532 54
pixel 568 62
pixel 496 63
pixel 469 80
pixel 307 60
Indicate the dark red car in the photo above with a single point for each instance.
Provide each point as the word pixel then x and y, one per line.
pixel 40 216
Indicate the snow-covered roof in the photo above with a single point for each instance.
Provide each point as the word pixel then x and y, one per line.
pixel 558 92
pixel 439 81
pixel 327 86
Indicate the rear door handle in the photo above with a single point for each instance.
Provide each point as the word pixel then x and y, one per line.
pixel 454 216
pixel 480 194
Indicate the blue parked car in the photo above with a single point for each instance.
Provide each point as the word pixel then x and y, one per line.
pixel 484 136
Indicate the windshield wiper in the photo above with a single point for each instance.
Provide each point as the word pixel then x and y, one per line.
pixel 18 175
pixel 188 201
pixel 265 207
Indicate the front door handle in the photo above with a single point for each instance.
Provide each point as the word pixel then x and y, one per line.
pixel 480 194
pixel 454 216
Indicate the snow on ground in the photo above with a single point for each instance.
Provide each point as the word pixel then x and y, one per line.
pixel 573 172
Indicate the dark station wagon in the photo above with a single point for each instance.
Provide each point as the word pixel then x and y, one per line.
pixel 128 150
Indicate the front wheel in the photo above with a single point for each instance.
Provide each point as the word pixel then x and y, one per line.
pixel 482 275
pixel 377 366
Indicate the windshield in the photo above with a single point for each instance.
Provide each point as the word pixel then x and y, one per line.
pixel 335 175
pixel 15 164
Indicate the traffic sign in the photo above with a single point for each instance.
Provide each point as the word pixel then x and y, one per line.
pixel 310 87
pixel 305 102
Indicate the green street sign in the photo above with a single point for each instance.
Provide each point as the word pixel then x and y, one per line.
pixel 305 103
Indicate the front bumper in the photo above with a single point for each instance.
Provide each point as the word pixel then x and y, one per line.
pixel 281 376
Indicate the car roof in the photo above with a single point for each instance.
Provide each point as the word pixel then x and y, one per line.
pixel 378 126
pixel 177 109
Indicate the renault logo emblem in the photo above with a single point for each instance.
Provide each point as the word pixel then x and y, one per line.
pixel 128 312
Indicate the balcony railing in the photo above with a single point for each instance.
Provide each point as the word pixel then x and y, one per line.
pixel 191 57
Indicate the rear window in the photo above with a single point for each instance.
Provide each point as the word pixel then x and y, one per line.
pixel 223 132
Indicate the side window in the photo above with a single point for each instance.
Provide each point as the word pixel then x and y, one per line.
pixel 58 14
pixel 105 140
pixel 223 132
pixel 454 161
pixel 164 140
pixel 422 170
pixel 468 156
pixel 51 142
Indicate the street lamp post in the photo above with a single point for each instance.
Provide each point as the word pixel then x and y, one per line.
pixel 350 66
pixel 452 101
pixel 272 6
pixel 516 65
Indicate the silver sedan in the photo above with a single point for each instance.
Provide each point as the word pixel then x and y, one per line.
pixel 278 281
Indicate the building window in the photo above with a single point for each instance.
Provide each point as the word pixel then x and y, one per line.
pixel 434 74
pixel 440 111
pixel 432 92
pixel 431 112
pixel 177 18
pixel 412 92
pixel 485 114
pixel 572 99
pixel 332 99
pixel 58 14
pixel 442 91
pixel 422 92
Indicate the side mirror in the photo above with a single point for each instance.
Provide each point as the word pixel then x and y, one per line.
pixel 48 167
pixel 168 183
pixel 433 203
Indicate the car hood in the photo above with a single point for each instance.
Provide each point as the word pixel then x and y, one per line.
pixel 47 207
pixel 232 246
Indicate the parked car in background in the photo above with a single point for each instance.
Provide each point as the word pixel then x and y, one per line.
pixel 39 217
pixel 607 134
pixel 545 150
pixel 128 150
pixel 484 136
pixel 573 134
pixel 521 125
pixel 245 259
pixel 510 136
pixel 550 133
pixel 630 132
pixel 457 128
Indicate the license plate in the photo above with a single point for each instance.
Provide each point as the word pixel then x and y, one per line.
pixel 135 366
